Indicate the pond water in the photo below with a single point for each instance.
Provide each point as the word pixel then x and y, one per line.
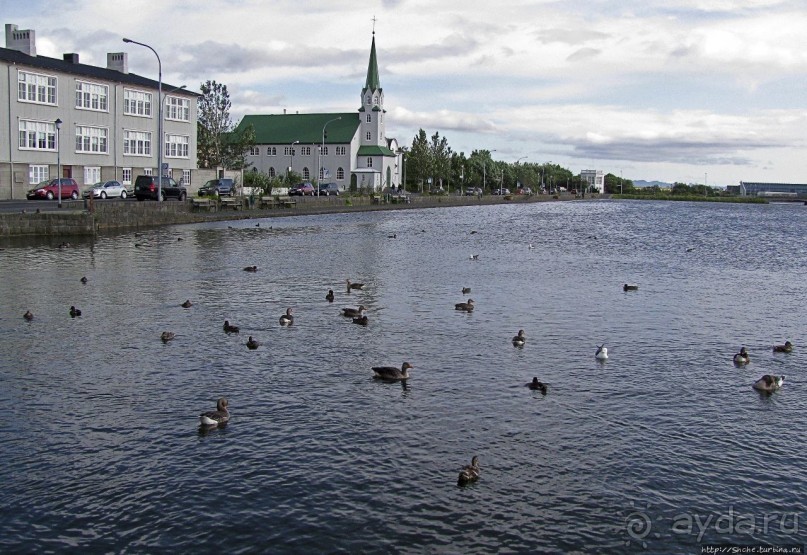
pixel 661 448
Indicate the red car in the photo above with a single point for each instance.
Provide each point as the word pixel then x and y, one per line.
pixel 50 189
pixel 303 189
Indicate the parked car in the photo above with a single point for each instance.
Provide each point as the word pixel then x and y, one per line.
pixel 328 189
pixel 218 187
pixel 106 189
pixel 302 189
pixel 50 189
pixel 524 191
pixel 148 187
pixel 503 191
pixel 473 191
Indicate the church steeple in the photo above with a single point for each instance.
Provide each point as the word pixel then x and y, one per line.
pixel 373 82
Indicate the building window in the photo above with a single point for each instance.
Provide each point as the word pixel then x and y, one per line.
pixel 288 151
pixel 178 109
pixel 271 151
pixel 341 150
pixel 176 146
pixel 305 151
pixel 369 136
pixel 375 100
pixel 147 171
pixel 137 143
pixel 306 174
pixel 136 103
pixel 324 151
pixel 369 162
pixel 37 174
pixel 32 87
pixel 92 175
pixel 92 140
pixel 186 177
pixel 37 135
pixel 272 173
pixel 368 99
pixel 126 178
pixel 340 174
pixel 369 118
pixel 254 151
pixel 90 96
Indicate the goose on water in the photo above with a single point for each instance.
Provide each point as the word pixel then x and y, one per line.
pixel 353 312
pixel 252 344
pixel 28 315
pixel 167 336
pixel 786 348
pixel 229 328
pixel 630 287
pixel 769 383
pixel 329 296
pixel 742 357
pixel 351 285
pixel 470 473
pixel 187 304
pixel 287 319
pixel 537 386
pixel 466 306
pixel 466 290
pixel 251 269
pixel 216 417
pixel 74 312
pixel 520 339
pixel 391 372
pixel 361 320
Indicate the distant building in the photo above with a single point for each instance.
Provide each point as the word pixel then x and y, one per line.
pixel 594 178
pixel 350 149
pixel 757 189
pixel 108 120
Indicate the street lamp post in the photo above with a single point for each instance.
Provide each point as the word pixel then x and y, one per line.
pixel 322 147
pixel 58 124
pixel 291 157
pixel 159 118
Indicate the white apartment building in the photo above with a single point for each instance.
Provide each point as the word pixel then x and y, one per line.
pixel 594 178
pixel 108 120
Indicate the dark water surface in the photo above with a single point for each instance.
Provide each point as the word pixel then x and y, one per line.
pixel 660 449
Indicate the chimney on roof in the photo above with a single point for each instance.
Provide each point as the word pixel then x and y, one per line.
pixel 22 41
pixel 119 61
pixel 71 58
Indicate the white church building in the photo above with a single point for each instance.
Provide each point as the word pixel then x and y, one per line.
pixel 350 149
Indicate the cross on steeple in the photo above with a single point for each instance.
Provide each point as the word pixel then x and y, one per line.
pixel 374 20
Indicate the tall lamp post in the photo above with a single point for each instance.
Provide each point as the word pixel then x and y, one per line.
pixel 159 118
pixel 291 157
pixel 322 147
pixel 58 124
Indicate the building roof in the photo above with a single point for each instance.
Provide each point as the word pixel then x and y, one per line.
pixel 15 57
pixel 373 150
pixel 306 128
pixel 373 82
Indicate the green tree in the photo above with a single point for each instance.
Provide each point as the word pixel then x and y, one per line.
pixel 213 124
pixel 419 163
pixel 235 147
pixel 441 160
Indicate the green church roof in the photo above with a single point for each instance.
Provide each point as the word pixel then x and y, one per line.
pixel 373 83
pixel 373 150
pixel 307 128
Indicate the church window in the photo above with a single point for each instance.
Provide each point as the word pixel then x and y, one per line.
pixel 369 136
pixel 375 100
pixel 369 118
pixel 368 99
pixel 369 162
pixel 340 174
pixel 306 174
pixel 272 172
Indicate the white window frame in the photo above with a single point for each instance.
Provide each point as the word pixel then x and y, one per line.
pixel 305 151
pixel 324 151
pixel 369 118
pixel 306 174
pixel 37 133
pixel 137 103
pixel 148 171
pixel 186 177
pixel 177 108
pixel 92 140
pixel 133 137
pixel 369 136
pixel 271 151
pixel 340 174
pixel 37 173
pixel 126 176
pixel 92 96
pixel 272 173
pixel 177 146
pixel 92 175
pixel 288 151
pixel 369 161
pixel 254 151
pixel 37 88
pixel 341 151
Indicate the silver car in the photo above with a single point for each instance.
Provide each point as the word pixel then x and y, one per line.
pixel 106 189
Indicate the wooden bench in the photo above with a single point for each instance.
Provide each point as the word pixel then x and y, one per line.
pixel 288 203
pixel 231 202
pixel 400 199
pixel 200 204
pixel 276 202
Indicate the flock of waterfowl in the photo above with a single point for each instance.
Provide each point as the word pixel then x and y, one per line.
pixel 769 382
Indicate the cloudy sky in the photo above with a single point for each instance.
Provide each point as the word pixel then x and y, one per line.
pixel 684 90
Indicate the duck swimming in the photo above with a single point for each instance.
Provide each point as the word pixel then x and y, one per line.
pixel 630 287
pixel 518 340
pixel 287 319
pixel 251 269
pixel 252 344
pixel 392 373
pixel 216 417
pixel 329 296
pixel 83 279
pixel 786 348
pixel 28 315
pixel 74 312
pixel 229 328
pixel 466 306
pixel 187 304
pixel 742 357
pixel 602 352
pixel 470 473
pixel 769 383
pixel 466 290
pixel 537 386
pixel 361 320
pixel 353 312
pixel 167 336
pixel 353 285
